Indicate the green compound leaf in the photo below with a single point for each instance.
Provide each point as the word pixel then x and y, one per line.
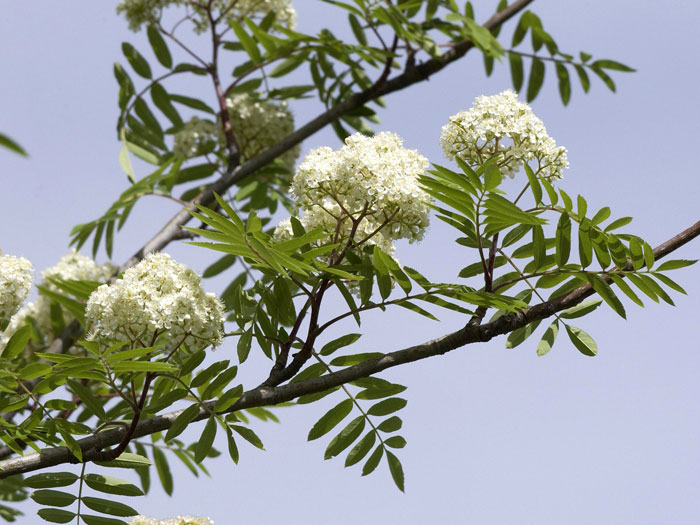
pixel 330 419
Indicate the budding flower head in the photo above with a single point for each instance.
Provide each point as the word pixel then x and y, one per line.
pixel 15 282
pixel 157 298
pixel 503 127
pixel 367 191
pixel 195 138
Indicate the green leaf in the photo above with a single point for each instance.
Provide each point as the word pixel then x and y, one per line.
pixel 361 449
pixel 206 440
pixel 340 342
pixel 618 223
pixel 395 442
pixel 492 177
pixel 564 83
pixel 110 485
pixel 396 470
pixel 391 424
pixel 88 398
pixel 163 469
pixel 563 240
pixel 388 406
pixel 581 309
pixel 160 48
pixel 675 264
pixel 351 360
pixel 330 419
pixel 17 342
pixel 248 42
pixel 581 340
pixel 244 344
pixel 518 336
pixel 357 29
pixel 190 102
pixel 670 283
pixel 91 519
pixel 536 79
pixel 138 63
pixel 605 78
pixel 54 498
pixel 345 438
pixel 56 515
pixel 143 366
pixel 538 247
pixel 180 424
pixel 250 436
pixel 516 71
pixel 611 64
pixel 232 447
pixel 224 263
pixel 126 460
pixel 288 65
pixel 622 285
pixel 106 506
pixel 47 480
pixel 10 144
pixel 548 338
pixel 373 461
pixel 534 183
pixel 603 289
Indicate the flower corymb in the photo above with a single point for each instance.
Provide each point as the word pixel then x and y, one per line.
pixel 158 297
pixel 504 128
pixel 15 283
pixel 368 189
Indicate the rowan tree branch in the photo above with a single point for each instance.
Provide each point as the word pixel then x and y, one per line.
pixel 266 396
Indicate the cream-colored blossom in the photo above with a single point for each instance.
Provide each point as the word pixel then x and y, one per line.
pixel 503 127
pixel 180 520
pixel 15 282
pixel 370 179
pixel 259 124
pixel 157 297
pixel 71 267
pixel 141 12
pixel 196 137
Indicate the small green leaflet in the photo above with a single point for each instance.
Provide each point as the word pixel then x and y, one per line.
pixel 548 338
pixel 581 340
pixel 330 419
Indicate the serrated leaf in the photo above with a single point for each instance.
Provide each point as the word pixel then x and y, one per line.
pixel 338 343
pixel 163 470
pixel 391 424
pixel 17 342
pixel 581 309
pixel 396 470
pixel 563 240
pixel 675 264
pixel 361 449
pixel 603 289
pixel 388 406
pixel 126 460
pixel 250 436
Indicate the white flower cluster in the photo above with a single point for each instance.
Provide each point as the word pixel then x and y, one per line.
pixel 368 189
pixel 15 282
pixel 140 12
pixel 71 267
pixel 503 127
pixel 180 520
pixel 258 125
pixel 196 137
pixel 157 297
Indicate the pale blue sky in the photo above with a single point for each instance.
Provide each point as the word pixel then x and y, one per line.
pixel 494 436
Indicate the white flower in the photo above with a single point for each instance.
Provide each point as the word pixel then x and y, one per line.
pixel 157 297
pixel 196 137
pixel 140 12
pixel 258 125
pixel 71 267
pixel 501 126
pixel 180 520
pixel 15 282
pixel 370 183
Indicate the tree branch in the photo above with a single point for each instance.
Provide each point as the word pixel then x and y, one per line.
pixel 266 396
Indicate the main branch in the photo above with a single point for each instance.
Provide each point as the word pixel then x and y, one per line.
pixel 265 396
